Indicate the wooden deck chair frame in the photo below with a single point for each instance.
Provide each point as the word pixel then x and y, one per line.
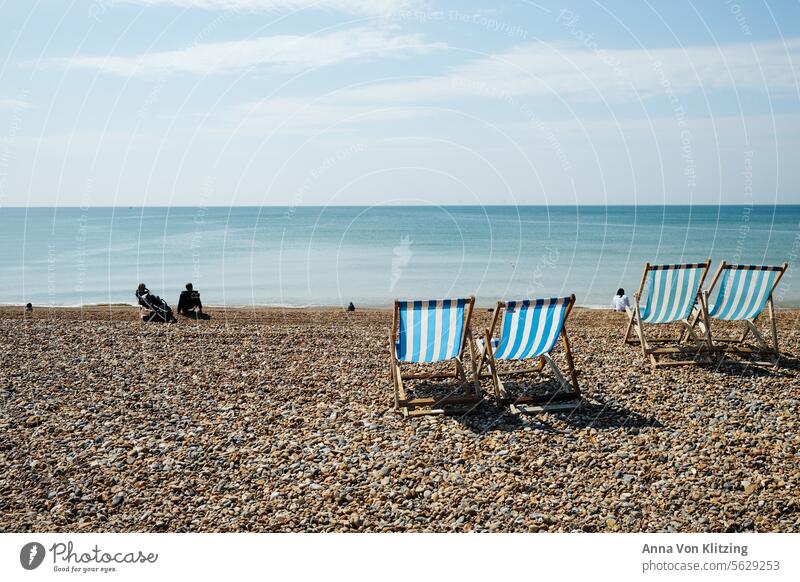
pixel 699 348
pixel 568 399
pixel 735 346
pixel 461 404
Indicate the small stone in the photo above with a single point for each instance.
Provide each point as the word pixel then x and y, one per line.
pixel 189 428
pixel 750 489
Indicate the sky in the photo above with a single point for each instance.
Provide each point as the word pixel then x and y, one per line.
pixel 330 102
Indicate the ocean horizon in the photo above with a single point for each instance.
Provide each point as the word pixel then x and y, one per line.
pixel 327 256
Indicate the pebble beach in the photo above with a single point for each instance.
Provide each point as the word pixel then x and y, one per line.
pixel 282 421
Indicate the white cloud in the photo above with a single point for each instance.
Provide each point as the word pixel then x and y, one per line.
pixel 724 129
pixel 616 75
pixel 285 115
pixel 13 104
pixel 288 51
pixel 365 7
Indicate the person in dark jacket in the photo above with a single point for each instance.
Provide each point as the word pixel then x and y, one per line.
pixel 189 300
pixel 141 292
pixel 152 307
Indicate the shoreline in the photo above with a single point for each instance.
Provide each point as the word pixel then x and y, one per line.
pixel 271 307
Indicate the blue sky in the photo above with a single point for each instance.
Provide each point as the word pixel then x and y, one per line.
pixel 213 102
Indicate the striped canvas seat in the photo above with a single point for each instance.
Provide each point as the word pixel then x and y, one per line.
pixel 530 328
pixel 672 292
pixel 743 292
pixel 671 296
pixel 430 331
pixel 433 330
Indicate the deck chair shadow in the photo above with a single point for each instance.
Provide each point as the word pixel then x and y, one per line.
pixel 426 332
pixel 743 291
pixel 530 330
pixel 673 292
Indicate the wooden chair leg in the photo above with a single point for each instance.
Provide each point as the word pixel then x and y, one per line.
pixel 460 373
pixel 396 390
pixel 762 343
pixel 476 380
pixel 631 314
pixel 499 389
pixel 482 361
pixel 401 392
pixel 640 332
pixel 688 333
pixel 745 333
pixel 559 376
pixel 693 321
pixel 500 393
pixel 773 327
pixel 573 374
pixel 393 372
pixel 706 321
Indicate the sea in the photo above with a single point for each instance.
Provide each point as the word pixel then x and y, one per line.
pixel 334 255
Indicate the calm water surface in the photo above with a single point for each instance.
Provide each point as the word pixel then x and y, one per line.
pixel 370 255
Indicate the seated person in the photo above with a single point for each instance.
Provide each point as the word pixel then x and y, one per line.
pixel 152 307
pixel 189 300
pixel 620 301
pixel 141 292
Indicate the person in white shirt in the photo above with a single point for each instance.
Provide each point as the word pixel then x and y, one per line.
pixel 620 301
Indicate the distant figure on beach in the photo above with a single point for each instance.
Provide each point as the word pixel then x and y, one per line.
pixel 351 307
pixel 189 301
pixel 153 308
pixel 141 292
pixel 28 308
pixel 620 301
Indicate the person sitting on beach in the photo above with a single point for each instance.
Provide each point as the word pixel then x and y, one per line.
pixel 189 300
pixel 620 301
pixel 28 308
pixel 351 307
pixel 152 307
pixel 141 292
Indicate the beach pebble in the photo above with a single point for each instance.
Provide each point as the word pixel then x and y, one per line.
pixel 114 426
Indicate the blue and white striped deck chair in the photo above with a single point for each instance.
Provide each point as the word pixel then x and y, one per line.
pixel 672 293
pixel 530 330
pixel 427 332
pixel 743 293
